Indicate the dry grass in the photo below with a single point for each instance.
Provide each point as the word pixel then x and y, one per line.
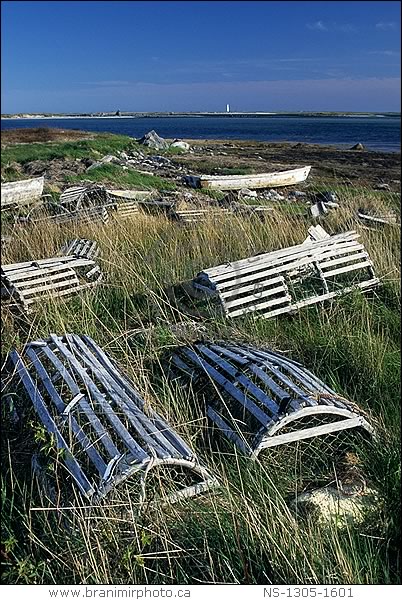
pixel 245 532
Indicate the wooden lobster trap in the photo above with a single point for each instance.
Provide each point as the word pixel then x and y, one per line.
pixel 286 280
pixel 100 424
pixel 26 283
pixel 259 399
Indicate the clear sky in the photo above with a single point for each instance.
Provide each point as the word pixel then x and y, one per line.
pixel 198 56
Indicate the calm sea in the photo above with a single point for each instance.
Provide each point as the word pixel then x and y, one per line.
pixel 376 133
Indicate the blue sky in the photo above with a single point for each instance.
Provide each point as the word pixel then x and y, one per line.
pixel 195 56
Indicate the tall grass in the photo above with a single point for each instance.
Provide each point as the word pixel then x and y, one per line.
pixel 100 145
pixel 245 532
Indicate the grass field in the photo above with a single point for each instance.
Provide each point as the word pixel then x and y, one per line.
pixel 245 532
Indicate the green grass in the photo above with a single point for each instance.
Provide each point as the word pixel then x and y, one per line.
pixel 100 145
pixel 245 532
pixel 115 174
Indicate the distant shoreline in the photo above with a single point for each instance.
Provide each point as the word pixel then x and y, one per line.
pixel 200 115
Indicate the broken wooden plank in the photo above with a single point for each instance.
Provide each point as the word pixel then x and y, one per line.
pixel 287 394
pixel 384 219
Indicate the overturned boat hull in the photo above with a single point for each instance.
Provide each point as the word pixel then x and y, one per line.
pixel 26 191
pixel 251 182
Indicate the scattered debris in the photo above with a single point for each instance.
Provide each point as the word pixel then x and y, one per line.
pixel 315 234
pixel 285 280
pixel 273 195
pixel 99 420
pixel 297 194
pixel 259 399
pixel 238 182
pixel 245 193
pixel 250 210
pixel 152 140
pixel 323 202
pixel 383 186
pixel 17 193
pixel 328 197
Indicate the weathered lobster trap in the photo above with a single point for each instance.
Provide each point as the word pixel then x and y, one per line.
pixel 259 399
pixel 286 280
pixel 195 215
pixel 83 196
pixel 81 248
pixel 26 283
pixel 98 419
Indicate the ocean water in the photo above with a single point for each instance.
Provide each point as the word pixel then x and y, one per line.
pixel 382 133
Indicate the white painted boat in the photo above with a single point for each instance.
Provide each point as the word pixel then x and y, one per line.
pixel 130 194
pixel 26 191
pixel 238 182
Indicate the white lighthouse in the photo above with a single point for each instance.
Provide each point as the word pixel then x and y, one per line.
pixel 227 108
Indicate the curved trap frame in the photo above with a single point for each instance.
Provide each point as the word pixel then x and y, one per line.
pixel 286 280
pixel 98 419
pixel 252 395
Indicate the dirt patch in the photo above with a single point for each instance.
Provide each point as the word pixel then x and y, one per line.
pixel 332 164
pixel 55 170
pixel 42 134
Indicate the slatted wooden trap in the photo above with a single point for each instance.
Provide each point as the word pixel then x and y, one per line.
pixel 26 283
pixel 81 196
pixel 254 397
pixel 197 215
pixel 286 280
pixel 99 419
pixel 81 248
pixel 83 216
pixel 127 203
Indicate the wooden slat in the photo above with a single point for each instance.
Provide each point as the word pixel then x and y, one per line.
pixel 86 444
pixel 126 438
pixel 163 427
pixel 104 437
pixel 43 413
pixel 285 299
pixel 138 420
pixel 227 431
pixel 263 418
pixel 249 386
pixel 311 432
